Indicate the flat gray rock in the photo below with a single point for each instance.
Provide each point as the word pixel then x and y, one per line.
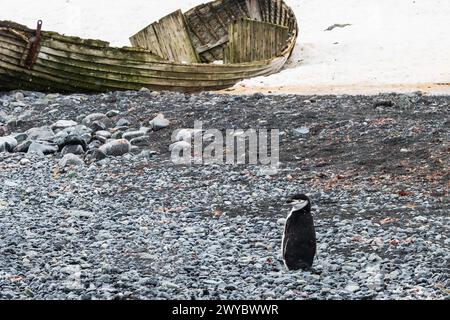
pixel 71 140
pixel 7 144
pixel 88 120
pixel 116 148
pixel 132 134
pixel 71 160
pixel 23 146
pixel 42 148
pixel 112 113
pixel 140 141
pixel 63 124
pixel 20 137
pixel 103 133
pixel 44 133
pixel 123 123
pixel 159 122
pixel 72 149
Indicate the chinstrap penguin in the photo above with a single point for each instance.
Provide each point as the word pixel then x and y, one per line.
pixel 299 239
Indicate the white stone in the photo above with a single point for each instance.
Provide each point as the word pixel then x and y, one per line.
pixel 71 160
pixel 160 122
pixel 63 124
pixel 352 288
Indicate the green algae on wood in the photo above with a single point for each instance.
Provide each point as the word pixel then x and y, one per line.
pixel 72 64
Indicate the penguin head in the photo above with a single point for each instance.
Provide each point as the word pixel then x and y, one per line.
pixel 300 203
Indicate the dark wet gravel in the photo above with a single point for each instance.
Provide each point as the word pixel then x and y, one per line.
pixel 140 227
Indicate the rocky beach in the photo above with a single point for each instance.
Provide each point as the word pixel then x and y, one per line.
pixel 92 207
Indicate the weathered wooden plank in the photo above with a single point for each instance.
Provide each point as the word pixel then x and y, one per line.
pixel 10 56
pixel 99 70
pixel 11 80
pixel 158 66
pixel 285 15
pixel 252 40
pixel 111 53
pixel 143 39
pixel 227 6
pixel 216 44
pixel 37 79
pixel 14 34
pixel 273 11
pixel 27 33
pixel 212 7
pixel 76 40
pixel 169 38
pixel 18 51
pixel 266 10
pixel 116 80
pixel 254 9
pixel 13 47
pixel 241 5
pixel 12 39
pixel 206 21
pixel 200 33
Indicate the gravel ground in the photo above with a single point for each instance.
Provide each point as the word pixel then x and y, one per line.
pixel 140 227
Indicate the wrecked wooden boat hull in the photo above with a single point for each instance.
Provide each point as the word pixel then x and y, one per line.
pixel 51 62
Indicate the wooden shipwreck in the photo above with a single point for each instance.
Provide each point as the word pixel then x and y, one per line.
pixel 212 46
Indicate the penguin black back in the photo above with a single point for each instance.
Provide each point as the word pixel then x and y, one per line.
pixel 299 240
